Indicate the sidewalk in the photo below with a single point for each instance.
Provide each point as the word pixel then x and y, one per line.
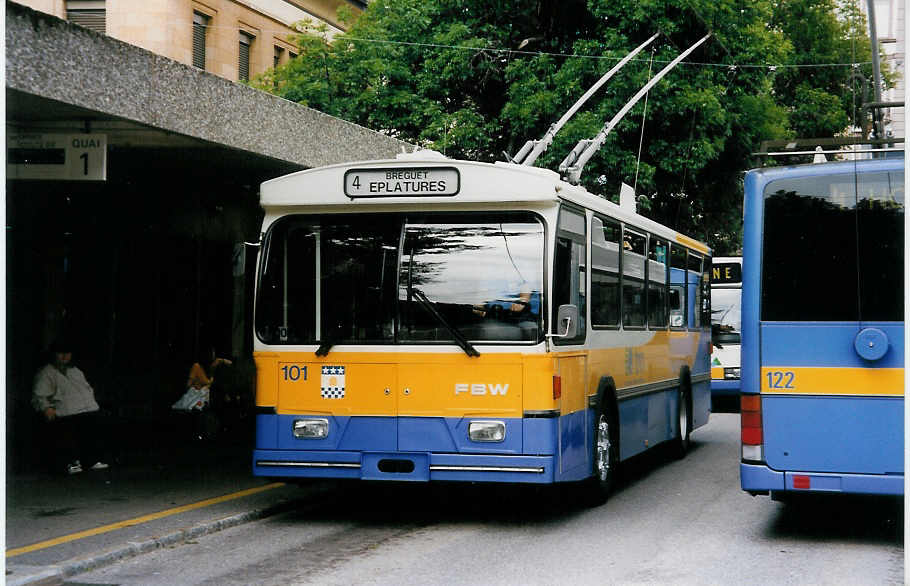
pixel 59 526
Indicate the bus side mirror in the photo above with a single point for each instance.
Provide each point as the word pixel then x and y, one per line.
pixel 566 322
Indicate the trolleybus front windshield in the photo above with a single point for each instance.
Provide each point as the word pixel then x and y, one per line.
pixel 726 317
pixel 367 278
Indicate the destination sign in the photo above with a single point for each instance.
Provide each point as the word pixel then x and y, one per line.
pixel 726 272
pixel 401 182
pixel 69 157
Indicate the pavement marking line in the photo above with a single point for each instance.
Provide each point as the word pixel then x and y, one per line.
pixel 138 520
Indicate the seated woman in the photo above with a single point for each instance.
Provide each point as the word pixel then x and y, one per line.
pixel 199 382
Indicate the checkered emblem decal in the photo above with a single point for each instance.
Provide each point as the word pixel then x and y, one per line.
pixel 332 386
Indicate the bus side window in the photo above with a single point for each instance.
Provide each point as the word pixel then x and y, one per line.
pixel 706 293
pixel 605 292
pixel 569 274
pixel 633 279
pixel 657 283
pixel 677 307
pixel 694 275
pixel 678 298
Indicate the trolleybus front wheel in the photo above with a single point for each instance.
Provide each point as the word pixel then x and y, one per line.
pixel 606 461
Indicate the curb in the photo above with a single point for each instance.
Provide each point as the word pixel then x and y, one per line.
pixel 56 574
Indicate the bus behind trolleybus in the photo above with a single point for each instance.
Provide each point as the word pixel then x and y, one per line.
pixel 726 326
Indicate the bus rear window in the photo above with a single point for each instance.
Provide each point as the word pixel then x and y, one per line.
pixel 833 248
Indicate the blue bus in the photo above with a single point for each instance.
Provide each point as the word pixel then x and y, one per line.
pixel 822 395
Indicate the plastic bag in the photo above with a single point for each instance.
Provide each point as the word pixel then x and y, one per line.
pixel 193 400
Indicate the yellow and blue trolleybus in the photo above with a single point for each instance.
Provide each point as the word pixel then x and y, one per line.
pixel 823 329
pixel 429 319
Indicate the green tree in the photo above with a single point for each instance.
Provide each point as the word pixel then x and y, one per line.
pixel 820 87
pixel 476 78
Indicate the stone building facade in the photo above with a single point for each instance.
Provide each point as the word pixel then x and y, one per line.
pixel 234 39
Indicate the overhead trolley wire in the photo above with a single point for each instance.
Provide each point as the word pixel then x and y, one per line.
pixel 510 52
pixel 599 57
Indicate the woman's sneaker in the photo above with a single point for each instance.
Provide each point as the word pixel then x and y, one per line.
pixel 74 468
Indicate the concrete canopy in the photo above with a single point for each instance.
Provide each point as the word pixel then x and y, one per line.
pixel 141 267
pixel 60 76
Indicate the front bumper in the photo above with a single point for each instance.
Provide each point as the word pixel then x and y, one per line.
pixel 404 466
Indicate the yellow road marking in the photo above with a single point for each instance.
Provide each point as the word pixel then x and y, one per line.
pixel 138 520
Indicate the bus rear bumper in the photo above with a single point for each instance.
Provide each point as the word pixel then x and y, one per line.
pixel 403 466
pixel 759 479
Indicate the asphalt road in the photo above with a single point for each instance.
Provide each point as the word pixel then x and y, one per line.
pixel 669 522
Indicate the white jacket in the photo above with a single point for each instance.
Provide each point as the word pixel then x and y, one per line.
pixel 68 394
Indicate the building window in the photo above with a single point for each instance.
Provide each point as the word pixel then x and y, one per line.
pixel 243 63
pixel 291 55
pixel 88 13
pixel 279 53
pixel 200 24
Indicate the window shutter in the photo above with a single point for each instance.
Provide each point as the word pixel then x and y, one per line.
pixel 200 23
pixel 88 13
pixel 243 64
pixel 92 19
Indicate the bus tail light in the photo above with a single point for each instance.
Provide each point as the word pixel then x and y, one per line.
pixel 557 386
pixel 750 417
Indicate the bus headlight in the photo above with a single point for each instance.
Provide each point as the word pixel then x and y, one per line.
pixel 487 431
pixel 731 373
pixel 311 428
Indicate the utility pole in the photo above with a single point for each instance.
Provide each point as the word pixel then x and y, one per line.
pixel 877 130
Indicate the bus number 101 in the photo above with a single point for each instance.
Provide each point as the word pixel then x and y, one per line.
pixel 778 379
pixel 293 372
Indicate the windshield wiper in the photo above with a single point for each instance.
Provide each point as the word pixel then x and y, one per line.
pixel 456 333
pixel 324 348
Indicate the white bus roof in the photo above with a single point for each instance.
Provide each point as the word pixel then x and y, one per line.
pixel 477 183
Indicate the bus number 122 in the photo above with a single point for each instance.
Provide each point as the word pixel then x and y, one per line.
pixel 780 379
